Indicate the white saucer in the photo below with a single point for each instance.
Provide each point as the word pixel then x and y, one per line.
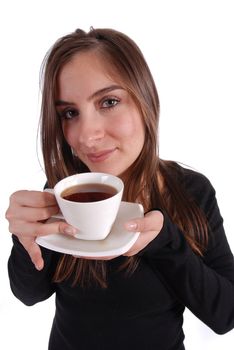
pixel 118 242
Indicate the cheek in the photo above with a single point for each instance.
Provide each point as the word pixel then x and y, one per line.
pixel 69 135
pixel 128 127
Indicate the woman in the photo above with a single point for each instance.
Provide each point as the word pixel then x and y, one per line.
pixel 100 112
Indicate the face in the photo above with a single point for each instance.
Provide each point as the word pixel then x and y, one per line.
pixel 100 120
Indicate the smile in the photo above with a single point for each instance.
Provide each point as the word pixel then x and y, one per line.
pixel 100 156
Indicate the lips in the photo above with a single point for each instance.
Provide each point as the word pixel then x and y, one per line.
pixel 100 156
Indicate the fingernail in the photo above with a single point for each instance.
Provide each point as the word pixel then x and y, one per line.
pixel 131 226
pixel 69 230
pixel 39 266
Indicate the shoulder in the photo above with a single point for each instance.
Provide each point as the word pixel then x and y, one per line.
pixel 193 181
pixel 195 184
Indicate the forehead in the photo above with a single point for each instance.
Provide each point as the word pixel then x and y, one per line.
pixel 87 66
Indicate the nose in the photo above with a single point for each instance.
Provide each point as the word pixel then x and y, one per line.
pixel 91 130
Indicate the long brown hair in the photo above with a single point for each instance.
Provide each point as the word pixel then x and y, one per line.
pixel 142 179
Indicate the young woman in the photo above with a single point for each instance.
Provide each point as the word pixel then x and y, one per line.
pixel 100 113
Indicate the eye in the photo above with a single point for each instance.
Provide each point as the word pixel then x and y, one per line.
pixel 69 113
pixel 109 102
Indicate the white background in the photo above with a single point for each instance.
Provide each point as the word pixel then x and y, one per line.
pixel 189 46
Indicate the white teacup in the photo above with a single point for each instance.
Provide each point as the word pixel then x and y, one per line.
pixel 93 219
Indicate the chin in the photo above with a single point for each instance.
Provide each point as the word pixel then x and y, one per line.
pixel 107 170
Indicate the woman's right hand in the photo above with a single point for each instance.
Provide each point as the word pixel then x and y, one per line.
pixel 27 215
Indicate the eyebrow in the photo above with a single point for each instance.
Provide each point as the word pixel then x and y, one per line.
pixel 94 95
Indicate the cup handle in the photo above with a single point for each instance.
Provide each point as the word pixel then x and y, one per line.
pixel 59 215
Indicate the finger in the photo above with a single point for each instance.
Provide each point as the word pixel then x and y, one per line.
pixel 152 221
pixel 56 227
pixel 35 199
pixel 31 214
pixel 27 229
pixel 34 252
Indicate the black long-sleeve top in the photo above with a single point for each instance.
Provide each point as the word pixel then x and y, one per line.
pixel 143 310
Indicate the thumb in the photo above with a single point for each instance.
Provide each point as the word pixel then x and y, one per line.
pixel 34 252
pixel 152 221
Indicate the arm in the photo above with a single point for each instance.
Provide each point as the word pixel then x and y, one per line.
pixel 27 283
pixel 205 285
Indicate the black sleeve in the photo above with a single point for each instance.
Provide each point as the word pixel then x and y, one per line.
pixel 203 284
pixel 28 284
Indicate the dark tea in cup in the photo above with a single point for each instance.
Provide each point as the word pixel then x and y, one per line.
pixel 92 192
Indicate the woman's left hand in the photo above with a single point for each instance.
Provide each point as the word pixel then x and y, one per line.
pixel 149 227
